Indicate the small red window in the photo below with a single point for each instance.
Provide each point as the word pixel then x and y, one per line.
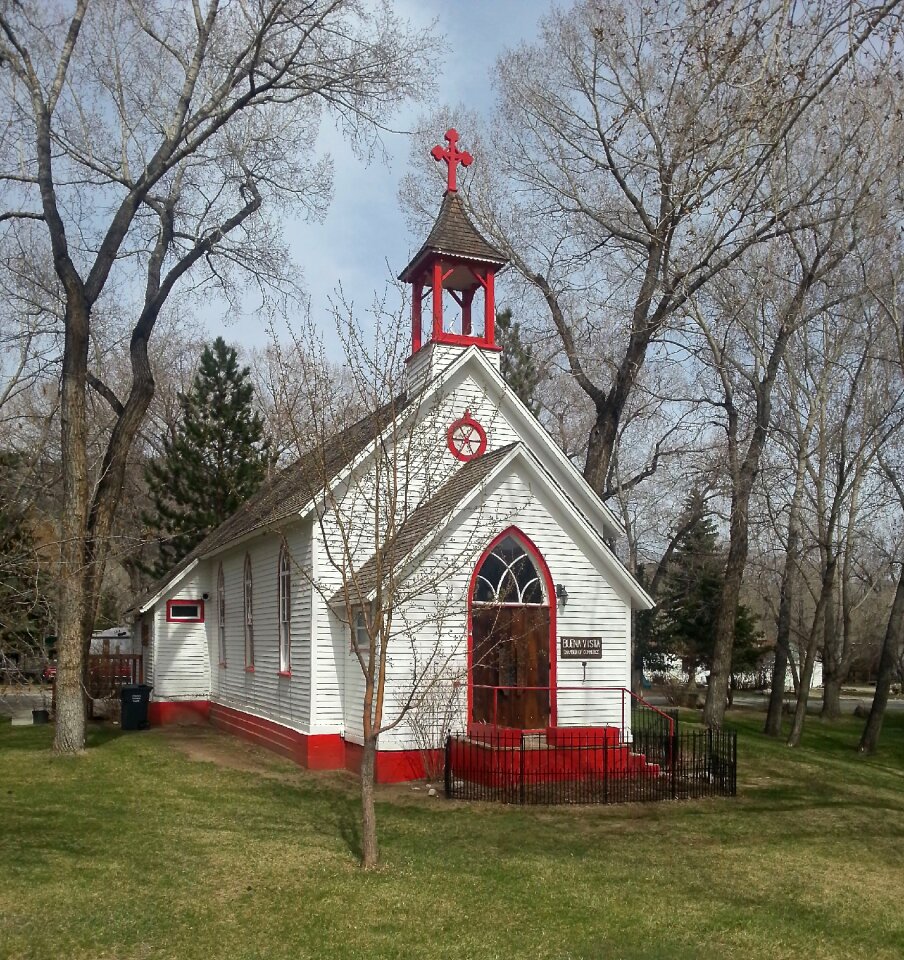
pixel 185 611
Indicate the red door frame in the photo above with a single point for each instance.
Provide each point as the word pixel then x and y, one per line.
pixel 540 561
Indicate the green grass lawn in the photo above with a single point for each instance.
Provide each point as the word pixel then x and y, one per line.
pixel 190 844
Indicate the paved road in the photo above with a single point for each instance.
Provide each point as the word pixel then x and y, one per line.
pixel 757 701
pixel 13 703
pixel 17 702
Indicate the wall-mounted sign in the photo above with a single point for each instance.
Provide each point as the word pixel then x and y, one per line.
pixel 581 648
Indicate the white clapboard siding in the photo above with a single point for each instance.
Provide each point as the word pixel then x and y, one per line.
pixel 263 691
pixel 180 661
pixel 437 633
pixel 147 653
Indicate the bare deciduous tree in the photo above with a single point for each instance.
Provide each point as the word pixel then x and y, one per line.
pixel 640 149
pixel 887 296
pixel 151 141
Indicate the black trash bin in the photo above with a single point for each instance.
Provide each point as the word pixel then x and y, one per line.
pixel 134 699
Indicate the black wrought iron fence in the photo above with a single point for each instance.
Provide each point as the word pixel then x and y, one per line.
pixel 591 766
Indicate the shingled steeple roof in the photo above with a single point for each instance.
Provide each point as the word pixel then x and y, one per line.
pixel 454 235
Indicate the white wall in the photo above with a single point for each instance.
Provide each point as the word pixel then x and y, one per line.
pixel 262 691
pixel 438 628
pixel 180 666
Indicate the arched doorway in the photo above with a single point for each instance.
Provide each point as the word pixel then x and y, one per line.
pixel 512 649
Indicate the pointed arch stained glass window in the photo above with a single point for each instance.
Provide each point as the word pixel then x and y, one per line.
pixel 508 574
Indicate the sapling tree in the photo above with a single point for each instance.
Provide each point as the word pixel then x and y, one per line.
pixel 393 588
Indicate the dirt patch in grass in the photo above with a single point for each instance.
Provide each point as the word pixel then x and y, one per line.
pixel 205 744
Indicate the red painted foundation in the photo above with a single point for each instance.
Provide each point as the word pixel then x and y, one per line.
pixel 393 766
pixel 483 762
pixel 321 752
pixel 164 712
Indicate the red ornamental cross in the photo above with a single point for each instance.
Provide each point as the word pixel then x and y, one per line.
pixel 453 157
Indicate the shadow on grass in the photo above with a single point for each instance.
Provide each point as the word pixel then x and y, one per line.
pixel 348 825
pixel 40 736
pixel 100 734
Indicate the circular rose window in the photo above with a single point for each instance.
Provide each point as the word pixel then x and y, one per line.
pixel 466 437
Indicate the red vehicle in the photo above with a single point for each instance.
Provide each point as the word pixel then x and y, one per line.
pixel 48 674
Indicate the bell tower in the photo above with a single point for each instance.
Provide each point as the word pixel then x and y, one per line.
pixel 453 281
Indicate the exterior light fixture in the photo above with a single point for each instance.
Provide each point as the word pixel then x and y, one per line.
pixel 561 594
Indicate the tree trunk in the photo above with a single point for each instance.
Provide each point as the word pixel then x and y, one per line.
pixel 600 446
pixel 717 691
pixel 831 695
pixel 69 737
pixel 803 697
pixel 795 672
pixel 790 577
pixel 891 645
pixel 831 663
pixel 773 725
pixel 369 850
pixel 806 673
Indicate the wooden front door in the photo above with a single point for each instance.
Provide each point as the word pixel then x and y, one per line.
pixel 511 650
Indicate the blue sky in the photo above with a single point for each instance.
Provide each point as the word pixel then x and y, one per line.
pixel 364 227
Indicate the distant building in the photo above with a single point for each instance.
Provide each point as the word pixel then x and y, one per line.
pixel 114 640
pixel 671 669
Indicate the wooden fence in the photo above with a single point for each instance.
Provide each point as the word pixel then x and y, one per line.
pixel 108 673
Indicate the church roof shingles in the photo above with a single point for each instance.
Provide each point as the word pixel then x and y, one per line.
pixel 455 235
pixel 289 490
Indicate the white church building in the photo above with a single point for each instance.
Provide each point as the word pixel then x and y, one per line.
pixel 446 529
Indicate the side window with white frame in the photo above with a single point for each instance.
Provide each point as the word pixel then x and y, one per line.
pixel 285 611
pixel 362 638
pixel 248 584
pixel 221 616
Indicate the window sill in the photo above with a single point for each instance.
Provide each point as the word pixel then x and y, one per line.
pixel 284 673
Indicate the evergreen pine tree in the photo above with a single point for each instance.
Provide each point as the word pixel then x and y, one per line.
pixel 686 618
pixel 26 607
pixel 27 597
pixel 217 459
pixel 519 365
